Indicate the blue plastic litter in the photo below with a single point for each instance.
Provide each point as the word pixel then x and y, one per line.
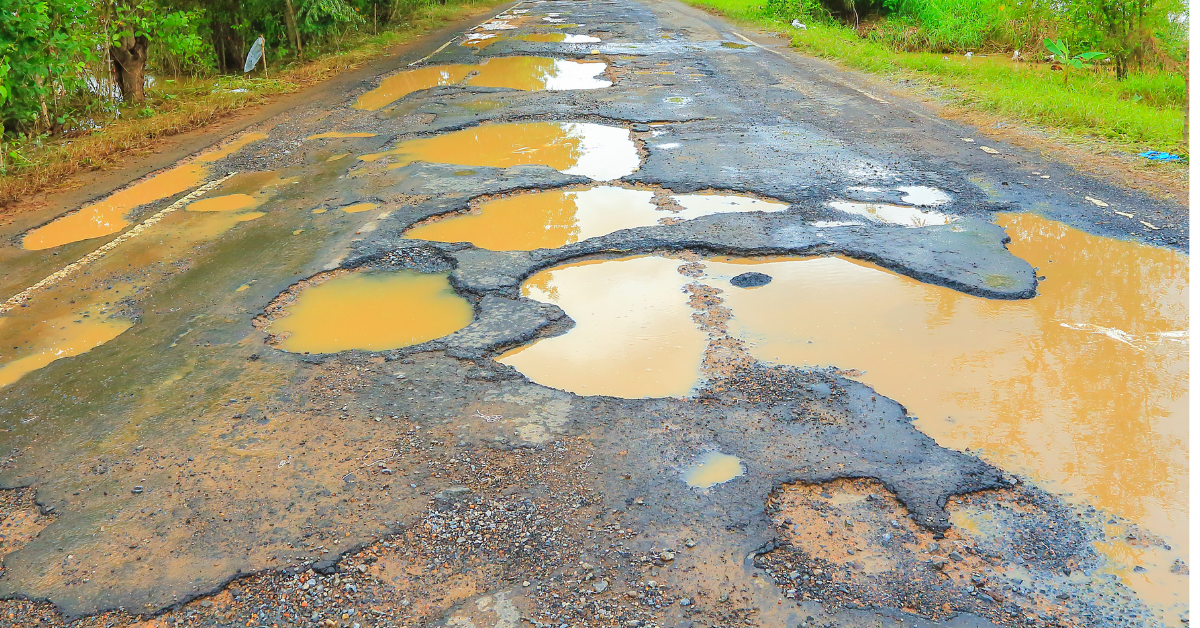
pixel 1159 156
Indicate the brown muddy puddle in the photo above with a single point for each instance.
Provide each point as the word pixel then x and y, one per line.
pixel 596 151
pixel 372 311
pixel 711 469
pixel 84 310
pixel 1084 388
pixel 550 219
pixel 523 73
pixel 109 216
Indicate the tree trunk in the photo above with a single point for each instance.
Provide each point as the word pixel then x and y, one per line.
pixel 129 64
pixel 293 32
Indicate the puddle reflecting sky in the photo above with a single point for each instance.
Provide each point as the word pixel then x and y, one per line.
pixel 895 214
pixel 1084 388
pixel 545 219
pixel 633 334
pixel 109 216
pixel 524 73
pixel 551 219
pixel 373 311
pixel 596 151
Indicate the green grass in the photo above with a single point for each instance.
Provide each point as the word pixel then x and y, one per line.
pixel 1141 112
pixel 177 105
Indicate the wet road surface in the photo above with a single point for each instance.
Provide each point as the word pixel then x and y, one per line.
pixel 603 313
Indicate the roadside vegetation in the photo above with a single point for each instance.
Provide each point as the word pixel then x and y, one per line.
pixel 83 82
pixel 1133 97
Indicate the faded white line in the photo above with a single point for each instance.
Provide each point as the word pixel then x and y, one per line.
pixel 63 273
pixel 829 78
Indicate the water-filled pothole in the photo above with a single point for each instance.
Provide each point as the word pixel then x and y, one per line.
pixel 1084 387
pixel 711 469
pixel 109 216
pixel 633 335
pixel 554 218
pixel 894 214
pixel 371 310
pixel 479 41
pixel 596 151
pixel 523 73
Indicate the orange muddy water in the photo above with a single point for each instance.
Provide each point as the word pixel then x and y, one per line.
pixel 523 73
pixel 633 334
pixel 110 215
pixel 711 469
pixel 373 311
pixel 358 207
pixel 60 337
pixel 1083 388
pixel 596 151
pixel 545 219
pixel 226 203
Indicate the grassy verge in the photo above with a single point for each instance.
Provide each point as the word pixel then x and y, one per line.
pixel 1143 112
pixel 180 105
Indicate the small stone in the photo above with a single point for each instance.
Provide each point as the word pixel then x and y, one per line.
pixel 206 604
pixel 690 543
pixel 525 584
pixel 667 555
pixel 685 602
pixel 137 490
pixel 599 587
pixel 956 557
pixel 750 280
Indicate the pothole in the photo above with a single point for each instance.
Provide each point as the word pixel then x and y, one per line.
pixel 596 151
pixel 111 215
pixel 523 73
pixel 1049 387
pixel 367 310
pixel 894 214
pixel 711 469
pixel 554 218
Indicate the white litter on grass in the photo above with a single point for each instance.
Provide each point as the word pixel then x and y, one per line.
pixel 1096 201
pixel 989 150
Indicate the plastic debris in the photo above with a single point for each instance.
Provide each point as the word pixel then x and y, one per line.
pixel 989 150
pixel 1016 55
pixel 969 55
pixel 1155 155
pixel 797 24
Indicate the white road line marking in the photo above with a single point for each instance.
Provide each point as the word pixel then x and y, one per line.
pixel 830 78
pixel 64 272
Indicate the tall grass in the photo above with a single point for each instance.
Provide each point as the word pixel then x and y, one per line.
pixel 1145 111
pixel 187 103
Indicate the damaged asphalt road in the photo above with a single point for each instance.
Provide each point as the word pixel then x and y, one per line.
pixel 189 469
